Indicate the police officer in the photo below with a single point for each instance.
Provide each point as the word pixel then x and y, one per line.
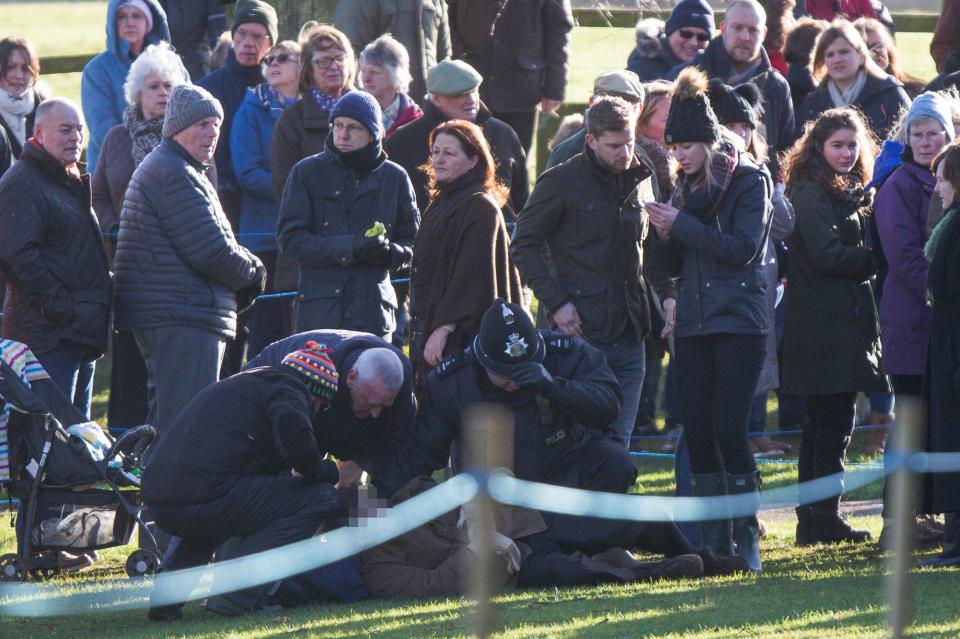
pixel 563 398
pixel 562 395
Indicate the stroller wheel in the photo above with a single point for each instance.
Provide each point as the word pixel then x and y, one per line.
pixel 142 562
pixel 12 568
pixel 42 573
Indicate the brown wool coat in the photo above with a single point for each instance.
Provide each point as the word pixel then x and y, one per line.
pixel 461 262
pixel 301 131
pixel 433 560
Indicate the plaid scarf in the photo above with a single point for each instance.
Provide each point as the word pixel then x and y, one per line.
pixel 702 202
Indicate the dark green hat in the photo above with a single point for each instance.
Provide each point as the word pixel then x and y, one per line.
pixel 452 77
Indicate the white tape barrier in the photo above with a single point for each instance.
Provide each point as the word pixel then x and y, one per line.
pixel 571 501
pixel 266 567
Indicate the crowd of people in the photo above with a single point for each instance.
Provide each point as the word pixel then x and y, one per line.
pixel 772 203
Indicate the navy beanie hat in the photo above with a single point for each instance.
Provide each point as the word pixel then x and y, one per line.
pixel 363 108
pixel 741 103
pixel 690 13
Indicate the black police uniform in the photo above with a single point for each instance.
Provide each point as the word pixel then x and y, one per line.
pixel 560 437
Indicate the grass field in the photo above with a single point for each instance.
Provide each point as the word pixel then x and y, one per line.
pixel 809 592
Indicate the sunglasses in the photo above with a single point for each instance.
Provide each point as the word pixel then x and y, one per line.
pixel 688 35
pixel 280 58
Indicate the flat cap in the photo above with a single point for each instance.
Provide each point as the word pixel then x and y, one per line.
pixel 452 77
pixel 624 84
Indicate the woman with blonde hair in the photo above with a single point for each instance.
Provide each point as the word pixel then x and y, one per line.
pixel 460 257
pixel 327 69
pixel 716 228
pixel 831 341
pixel 848 76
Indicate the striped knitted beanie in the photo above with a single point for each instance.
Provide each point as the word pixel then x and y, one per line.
pixel 318 370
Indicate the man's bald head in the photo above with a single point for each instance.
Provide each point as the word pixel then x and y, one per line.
pixel 743 29
pixel 58 128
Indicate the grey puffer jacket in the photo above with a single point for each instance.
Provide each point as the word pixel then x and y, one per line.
pixel 177 260
pixel 722 285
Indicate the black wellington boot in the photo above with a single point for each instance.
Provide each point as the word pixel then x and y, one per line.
pixel 746 529
pixel 717 535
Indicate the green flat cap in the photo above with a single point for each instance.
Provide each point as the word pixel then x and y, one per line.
pixel 452 77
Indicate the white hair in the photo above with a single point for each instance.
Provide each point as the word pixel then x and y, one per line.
pixel 387 52
pixel 157 59
pixel 380 364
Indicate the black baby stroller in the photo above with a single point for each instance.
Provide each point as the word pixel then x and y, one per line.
pixel 70 500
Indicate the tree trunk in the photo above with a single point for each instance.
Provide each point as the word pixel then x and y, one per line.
pixel 292 14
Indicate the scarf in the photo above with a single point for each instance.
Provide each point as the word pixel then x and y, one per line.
pixel 930 248
pixel 391 113
pixel 746 74
pixel 145 134
pixel 702 202
pixel 848 95
pixel 361 161
pixel 325 100
pixel 14 112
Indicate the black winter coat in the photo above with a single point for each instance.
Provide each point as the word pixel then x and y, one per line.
pixel 652 58
pixel 880 100
pixel 599 242
pixel 177 260
pixel 52 257
pixel 831 334
pixel 778 119
pixel 526 58
pixel 722 285
pixel 548 428
pixel 408 147
pixel 371 443
pixel 324 207
pixel 801 83
pixel 942 380
pixel 254 423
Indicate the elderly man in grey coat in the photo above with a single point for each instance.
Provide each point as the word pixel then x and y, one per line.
pixel 181 276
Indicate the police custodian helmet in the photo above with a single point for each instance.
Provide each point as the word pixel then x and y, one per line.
pixel 507 337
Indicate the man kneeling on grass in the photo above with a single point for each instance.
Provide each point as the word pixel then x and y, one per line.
pixel 242 462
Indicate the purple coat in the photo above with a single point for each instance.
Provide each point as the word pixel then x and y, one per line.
pixel 901 210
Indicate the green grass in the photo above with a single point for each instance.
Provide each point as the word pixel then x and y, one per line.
pixel 809 592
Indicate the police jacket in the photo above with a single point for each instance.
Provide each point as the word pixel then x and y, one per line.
pixel 585 399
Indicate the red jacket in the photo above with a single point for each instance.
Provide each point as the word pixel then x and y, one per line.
pixel 830 9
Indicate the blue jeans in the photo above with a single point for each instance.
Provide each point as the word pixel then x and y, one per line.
pixel 627 360
pixel 71 367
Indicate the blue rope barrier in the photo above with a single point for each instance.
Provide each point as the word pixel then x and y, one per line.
pixel 761 460
pixel 28 600
pixel 270 296
pixel 758 433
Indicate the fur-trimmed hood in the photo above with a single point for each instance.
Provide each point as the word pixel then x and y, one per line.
pixel 649 32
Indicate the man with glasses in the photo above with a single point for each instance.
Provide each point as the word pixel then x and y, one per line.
pixel 737 56
pixel 254 31
pixel 453 93
pixel 662 47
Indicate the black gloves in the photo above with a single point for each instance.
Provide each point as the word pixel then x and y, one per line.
pixel 249 293
pixel 532 374
pixel 371 250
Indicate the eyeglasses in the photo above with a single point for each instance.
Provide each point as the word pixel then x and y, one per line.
pixel 351 129
pixel 324 62
pixel 280 58
pixel 688 35
pixel 243 34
